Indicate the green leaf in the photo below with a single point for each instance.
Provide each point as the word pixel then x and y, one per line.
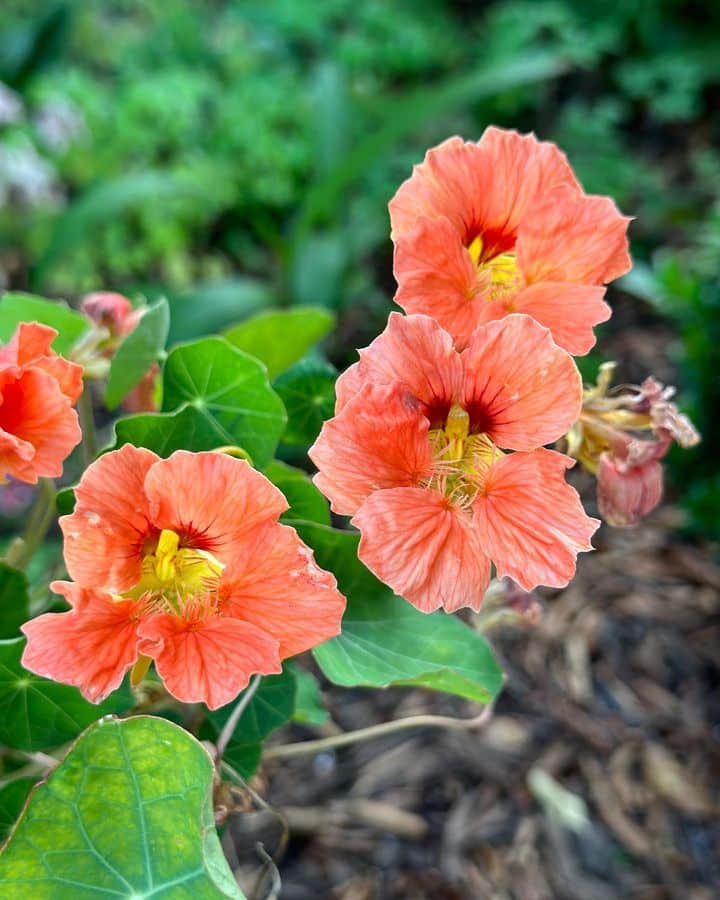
pixel 65 501
pixel 386 641
pixel 13 601
pixel 306 501
pixel 309 706
pixel 164 433
pixel 271 707
pixel 308 392
pixel 231 393
pixel 12 799
pixel 17 307
pixel 36 713
pixel 140 349
pixel 128 813
pixel 281 337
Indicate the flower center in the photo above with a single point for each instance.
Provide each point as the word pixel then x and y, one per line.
pixel 498 273
pixel 174 576
pixel 460 460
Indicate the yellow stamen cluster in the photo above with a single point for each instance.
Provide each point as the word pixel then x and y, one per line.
pixel 498 275
pixel 175 576
pixel 460 459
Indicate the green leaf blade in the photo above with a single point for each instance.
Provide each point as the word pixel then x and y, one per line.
pixel 230 392
pixel 164 433
pixel 308 391
pixel 385 640
pixel 306 501
pixel 36 713
pixel 271 707
pixel 127 813
pixel 14 600
pixel 19 307
pixel 281 337
pixel 140 349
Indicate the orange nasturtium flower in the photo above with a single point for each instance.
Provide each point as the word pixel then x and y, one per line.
pixel 414 455
pixel 485 229
pixel 38 425
pixel 181 561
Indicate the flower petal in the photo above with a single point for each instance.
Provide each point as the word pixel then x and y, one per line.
pixel 207 660
pixel 570 311
pixel 92 646
pixel 567 237
pixel 36 414
pixel 413 352
pixel 30 345
pixel 444 184
pixel 520 387
pixel 424 548
pixel 482 188
pixel 211 497
pixel 379 440
pixel 273 582
pixel 519 169
pixel 104 534
pixel 531 521
pixel 436 276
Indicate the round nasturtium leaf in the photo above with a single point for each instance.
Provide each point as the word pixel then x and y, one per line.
pixel 280 337
pixel 38 714
pixel 230 393
pixel 271 706
pixel 387 641
pixel 127 814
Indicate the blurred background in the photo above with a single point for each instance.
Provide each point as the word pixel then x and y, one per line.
pixel 239 156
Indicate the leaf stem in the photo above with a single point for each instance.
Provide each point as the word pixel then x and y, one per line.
pixel 87 424
pixel 304 748
pixel 231 724
pixel 41 515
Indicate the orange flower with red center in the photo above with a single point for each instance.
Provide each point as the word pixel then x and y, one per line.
pixel 415 455
pixel 485 229
pixel 38 425
pixel 181 561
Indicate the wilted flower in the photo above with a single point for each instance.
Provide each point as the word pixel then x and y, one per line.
pixel 485 229
pixel 182 561
pixel 414 455
pixel 38 425
pixel 621 436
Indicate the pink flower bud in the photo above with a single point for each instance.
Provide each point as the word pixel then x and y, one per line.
pixel 111 311
pixel 625 492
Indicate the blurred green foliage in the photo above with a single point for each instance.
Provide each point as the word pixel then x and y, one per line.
pixel 237 156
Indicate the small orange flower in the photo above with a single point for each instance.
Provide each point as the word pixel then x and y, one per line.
pixel 415 455
pixel 485 229
pixel 182 561
pixel 38 426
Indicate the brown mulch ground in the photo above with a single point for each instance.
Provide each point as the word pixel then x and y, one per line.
pixel 596 778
